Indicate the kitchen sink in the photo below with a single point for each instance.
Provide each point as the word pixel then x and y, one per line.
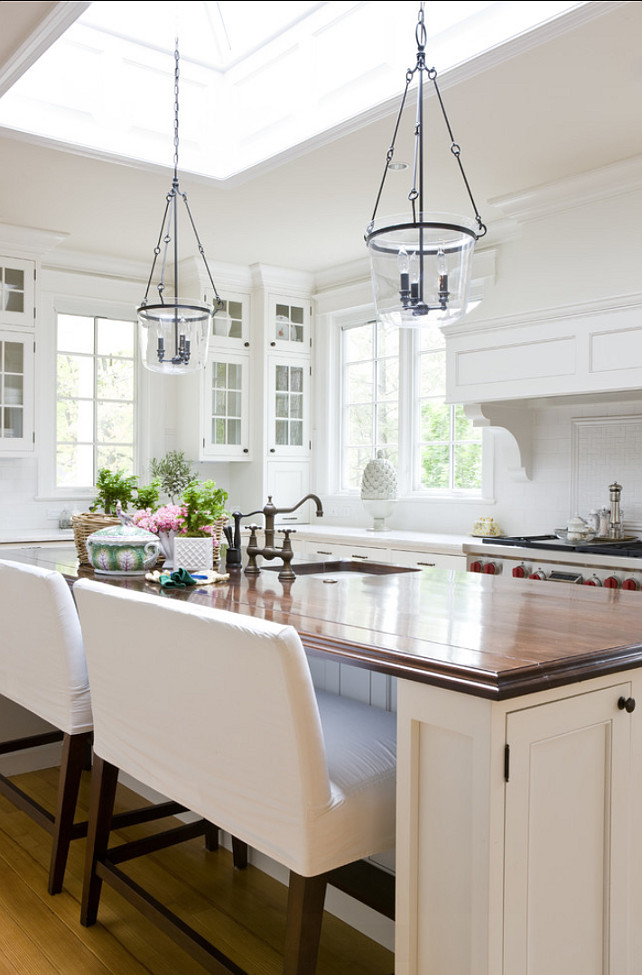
pixel 342 565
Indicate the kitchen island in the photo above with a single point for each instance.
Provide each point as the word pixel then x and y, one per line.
pixel 519 754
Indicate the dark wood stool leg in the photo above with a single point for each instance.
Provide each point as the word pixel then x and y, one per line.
pixel 73 758
pixel 101 807
pixel 303 932
pixel 239 853
pixel 211 837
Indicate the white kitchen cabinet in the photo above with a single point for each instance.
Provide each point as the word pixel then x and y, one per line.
pixel 527 845
pixel 17 292
pixel 422 560
pixel 225 407
pixel 289 324
pixel 16 392
pixel 565 850
pixel 287 481
pixel 331 551
pixel 288 421
pixel 231 327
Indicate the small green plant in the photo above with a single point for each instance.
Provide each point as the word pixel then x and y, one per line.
pixel 204 504
pixel 149 495
pixel 174 473
pixel 113 486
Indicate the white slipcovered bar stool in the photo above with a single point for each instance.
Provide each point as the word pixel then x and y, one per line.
pixel 217 711
pixel 42 668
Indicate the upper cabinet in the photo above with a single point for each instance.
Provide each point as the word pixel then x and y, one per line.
pixel 289 324
pixel 16 393
pixel 231 325
pixel 17 292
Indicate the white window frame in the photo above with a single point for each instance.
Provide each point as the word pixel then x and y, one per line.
pixel 408 421
pixel 54 305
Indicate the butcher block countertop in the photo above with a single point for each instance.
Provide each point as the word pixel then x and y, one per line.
pixel 488 636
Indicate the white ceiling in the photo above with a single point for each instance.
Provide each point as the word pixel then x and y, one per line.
pixel 568 105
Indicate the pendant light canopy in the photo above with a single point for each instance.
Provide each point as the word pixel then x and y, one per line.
pixel 421 261
pixel 174 332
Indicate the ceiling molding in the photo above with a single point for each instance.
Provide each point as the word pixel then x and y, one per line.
pixel 535 202
pixel 28 240
pixel 39 40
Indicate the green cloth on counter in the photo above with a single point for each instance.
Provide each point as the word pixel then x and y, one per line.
pixel 180 579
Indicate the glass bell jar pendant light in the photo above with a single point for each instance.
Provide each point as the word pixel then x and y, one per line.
pixel 174 332
pixel 421 261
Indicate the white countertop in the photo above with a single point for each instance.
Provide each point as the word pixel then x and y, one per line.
pixel 30 536
pixel 405 540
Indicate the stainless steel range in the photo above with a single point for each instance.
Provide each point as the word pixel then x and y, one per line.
pixel 615 564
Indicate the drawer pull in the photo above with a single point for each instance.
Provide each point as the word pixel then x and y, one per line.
pixel 431 565
pixel 364 557
pixel 321 551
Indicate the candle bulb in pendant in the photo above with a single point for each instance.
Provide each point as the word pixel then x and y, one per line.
pixel 160 351
pixel 413 263
pixel 404 277
pixel 442 271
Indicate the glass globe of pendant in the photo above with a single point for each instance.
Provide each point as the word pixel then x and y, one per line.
pixel 421 270
pixel 174 336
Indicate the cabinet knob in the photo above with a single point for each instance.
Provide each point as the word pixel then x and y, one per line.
pixel 626 704
pixel 272 450
pixel 246 450
pixel 246 344
pixel 272 344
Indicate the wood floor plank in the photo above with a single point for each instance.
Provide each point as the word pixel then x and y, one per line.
pixel 242 912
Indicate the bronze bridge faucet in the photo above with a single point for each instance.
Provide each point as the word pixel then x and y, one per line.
pixel 269 550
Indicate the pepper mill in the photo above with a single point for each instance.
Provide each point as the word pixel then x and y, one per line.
pixel 615 529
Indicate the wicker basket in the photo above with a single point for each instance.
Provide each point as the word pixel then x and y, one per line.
pixel 86 524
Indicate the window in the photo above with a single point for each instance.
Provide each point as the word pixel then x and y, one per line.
pixel 95 392
pixel 390 374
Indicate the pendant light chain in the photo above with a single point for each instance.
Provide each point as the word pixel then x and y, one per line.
pixel 176 81
pixel 415 193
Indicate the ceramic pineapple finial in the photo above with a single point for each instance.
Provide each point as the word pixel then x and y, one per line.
pixel 379 490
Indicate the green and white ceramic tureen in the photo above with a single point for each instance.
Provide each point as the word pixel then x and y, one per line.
pixel 123 550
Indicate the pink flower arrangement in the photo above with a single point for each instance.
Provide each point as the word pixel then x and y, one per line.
pixel 171 517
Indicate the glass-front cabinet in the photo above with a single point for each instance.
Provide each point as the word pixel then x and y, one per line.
pixel 289 324
pixel 17 289
pixel 16 392
pixel 225 407
pixel 231 325
pixel 288 424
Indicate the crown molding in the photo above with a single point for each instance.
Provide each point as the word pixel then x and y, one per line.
pixel 39 40
pixel 616 179
pixel 31 241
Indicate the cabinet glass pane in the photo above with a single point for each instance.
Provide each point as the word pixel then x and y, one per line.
pixel 283 311
pixel 218 402
pixel 296 406
pixel 282 378
pixel 282 433
pixel 218 431
pixel 296 333
pixel 13 291
pixel 12 422
pixel 296 315
pixel 14 357
pixel 13 390
pixel 233 404
pixel 281 405
pixel 234 376
pixel 234 432
pixel 296 379
pixel 219 375
pixel 296 433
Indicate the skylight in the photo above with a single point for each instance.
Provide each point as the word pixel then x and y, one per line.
pixel 257 79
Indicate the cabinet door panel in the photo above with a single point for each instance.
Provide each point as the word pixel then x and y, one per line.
pixel 16 393
pixel 225 408
pixel 566 836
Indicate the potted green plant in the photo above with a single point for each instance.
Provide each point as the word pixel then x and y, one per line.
pixel 174 473
pixel 203 506
pixel 148 497
pixel 113 486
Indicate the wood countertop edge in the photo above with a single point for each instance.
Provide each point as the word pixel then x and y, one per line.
pixel 493 685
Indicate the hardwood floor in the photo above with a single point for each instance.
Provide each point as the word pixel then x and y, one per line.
pixel 242 912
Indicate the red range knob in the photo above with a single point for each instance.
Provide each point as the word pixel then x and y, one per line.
pixel 491 569
pixel 612 582
pixel 520 571
pixel 631 584
pixel 476 567
pixel 538 574
pixel 593 581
